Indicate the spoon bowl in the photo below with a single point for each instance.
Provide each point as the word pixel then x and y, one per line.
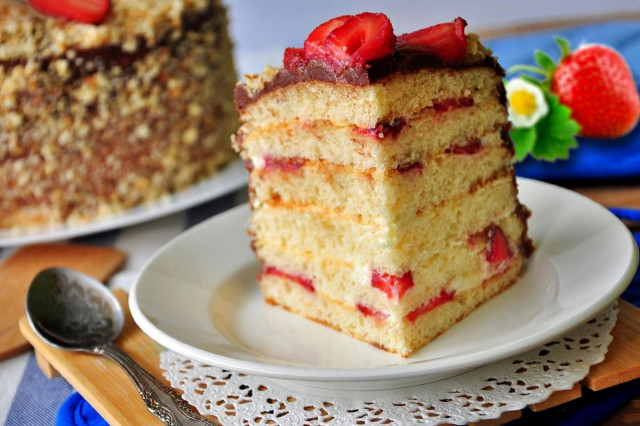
pixel 72 311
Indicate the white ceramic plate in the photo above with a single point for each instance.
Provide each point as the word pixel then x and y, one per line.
pixel 198 297
pixel 229 179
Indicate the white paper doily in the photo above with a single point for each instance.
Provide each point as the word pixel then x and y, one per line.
pixel 480 394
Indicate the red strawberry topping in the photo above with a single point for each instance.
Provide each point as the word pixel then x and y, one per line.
pixel 596 83
pixel 394 286
pixel 361 39
pixel 85 11
pixel 314 45
pixel 357 41
pixel 446 41
pixel 345 41
pixel 370 312
pixel 443 297
pixel 497 245
pixel 300 279
pixel 294 59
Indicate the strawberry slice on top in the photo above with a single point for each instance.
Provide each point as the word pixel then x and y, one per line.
pixel 361 39
pixel 446 41
pixel 84 11
pixel 314 45
pixel 294 59
pixel 344 42
pixel 356 41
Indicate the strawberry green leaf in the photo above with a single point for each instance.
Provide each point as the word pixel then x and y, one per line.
pixel 564 46
pixel 544 60
pixel 556 132
pixel 523 140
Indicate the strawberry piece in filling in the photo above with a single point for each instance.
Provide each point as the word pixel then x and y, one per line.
pixel 443 297
pixel 383 130
pixel 445 105
pixel 370 312
pixel 498 249
pixel 394 286
pixel 472 146
pixel 404 168
pixel 284 164
pixel 304 281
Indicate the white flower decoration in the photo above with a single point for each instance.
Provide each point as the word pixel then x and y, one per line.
pixel 526 103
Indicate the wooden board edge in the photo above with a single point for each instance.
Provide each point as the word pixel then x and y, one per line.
pixel 622 361
pixel 558 398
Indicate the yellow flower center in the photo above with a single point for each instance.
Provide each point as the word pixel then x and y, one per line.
pixel 523 102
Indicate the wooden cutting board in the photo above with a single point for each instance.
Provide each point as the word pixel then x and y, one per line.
pixel 109 391
pixel 101 381
pixel 17 272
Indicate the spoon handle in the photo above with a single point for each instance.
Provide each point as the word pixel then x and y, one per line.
pixel 160 400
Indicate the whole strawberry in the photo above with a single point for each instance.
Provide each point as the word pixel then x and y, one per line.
pixel 596 83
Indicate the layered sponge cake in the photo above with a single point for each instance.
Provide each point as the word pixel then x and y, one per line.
pixel 105 105
pixel 384 200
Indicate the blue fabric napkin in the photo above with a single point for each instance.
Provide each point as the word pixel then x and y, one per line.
pixel 632 293
pixel 76 411
pixel 593 159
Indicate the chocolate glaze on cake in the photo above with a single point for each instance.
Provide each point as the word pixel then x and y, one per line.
pixel 401 61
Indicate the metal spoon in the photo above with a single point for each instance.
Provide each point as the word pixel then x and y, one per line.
pixel 72 311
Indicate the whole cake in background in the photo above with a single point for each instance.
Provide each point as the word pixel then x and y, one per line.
pixel 384 200
pixel 99 117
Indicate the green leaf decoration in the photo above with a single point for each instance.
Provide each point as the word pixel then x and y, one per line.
pixel 523 140
pixel 554 135
pixel 544 60
pixel 564 46
pixel 556 132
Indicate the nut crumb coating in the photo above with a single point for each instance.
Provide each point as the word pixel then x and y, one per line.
pixel 112 122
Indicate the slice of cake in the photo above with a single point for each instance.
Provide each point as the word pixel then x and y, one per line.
pixel 107 105
pixel 384 199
